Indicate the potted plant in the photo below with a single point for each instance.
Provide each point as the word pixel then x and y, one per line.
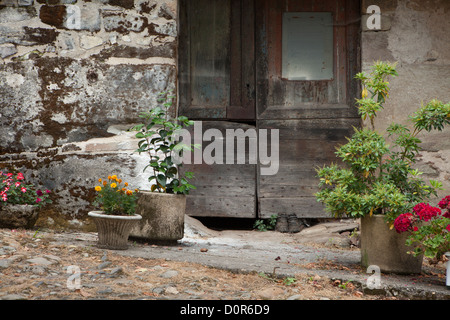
pixel 428 231
pixel 116 217
pixel 376 181
pixel 20 202
pixel 162 206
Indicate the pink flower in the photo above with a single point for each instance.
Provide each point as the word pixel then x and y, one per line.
pixel 38 200
pixel 20 176
pixel 17 184
pixel 39 192
pixel 23 189
pixel 448 228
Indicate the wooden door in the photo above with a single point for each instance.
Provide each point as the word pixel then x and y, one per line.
pixel 241 66
pixel 217 87
pixel 307 54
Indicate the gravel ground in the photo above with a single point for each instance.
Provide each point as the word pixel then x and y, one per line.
pixel 321 264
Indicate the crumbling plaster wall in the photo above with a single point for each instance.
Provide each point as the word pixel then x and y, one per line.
pixel 74 75
pixel 416 35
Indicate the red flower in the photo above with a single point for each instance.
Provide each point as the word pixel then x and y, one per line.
pixel 444 203
pixel 20 176
pixel 448 228
pixel 426 212
pixel 403 222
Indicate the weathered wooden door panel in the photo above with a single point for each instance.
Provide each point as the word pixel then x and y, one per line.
pixel 305 145
pixel 313 109
pixel 216 70
pixel 224 188
pixel 281 98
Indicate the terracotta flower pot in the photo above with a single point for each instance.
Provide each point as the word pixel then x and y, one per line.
pixel 15 216
pixel 113 230
pixel 385 248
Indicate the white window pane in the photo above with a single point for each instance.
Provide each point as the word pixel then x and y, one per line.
pixel 307 46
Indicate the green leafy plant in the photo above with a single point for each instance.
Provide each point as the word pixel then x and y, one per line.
pixel 288 281
pixel 375 177
pixel 158 134
pixel 115 198
pixel 15 190
pixel 266 224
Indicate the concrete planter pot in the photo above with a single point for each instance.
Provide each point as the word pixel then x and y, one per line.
pixel 162 217
pixel 113 231
pixel 385 248
pixel 17 216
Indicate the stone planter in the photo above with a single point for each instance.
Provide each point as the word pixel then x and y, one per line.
pixel 385 248
pixel 162 217
pixel 15 216
pixel 113 231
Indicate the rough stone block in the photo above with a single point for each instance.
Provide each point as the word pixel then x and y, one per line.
pixel 7 49
pixel 123 23
pixel 147 6
pixel 166 13
pixel 9 15
pixel 89 42
pixel 127 4
pixel 25 3
pixel 53 15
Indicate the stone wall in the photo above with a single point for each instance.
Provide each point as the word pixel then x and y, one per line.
pixel 415 34
pixel 72 71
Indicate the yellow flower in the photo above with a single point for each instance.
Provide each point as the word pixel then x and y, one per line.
pixel 99 180
pixel 126 184
pixel 114 177
pixel 98 188
pixel 119 180
pixel 129 192
pixel 109 177
pixel 113 185
pixel 105 183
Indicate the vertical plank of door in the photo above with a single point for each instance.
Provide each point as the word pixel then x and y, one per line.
pixel 242 100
